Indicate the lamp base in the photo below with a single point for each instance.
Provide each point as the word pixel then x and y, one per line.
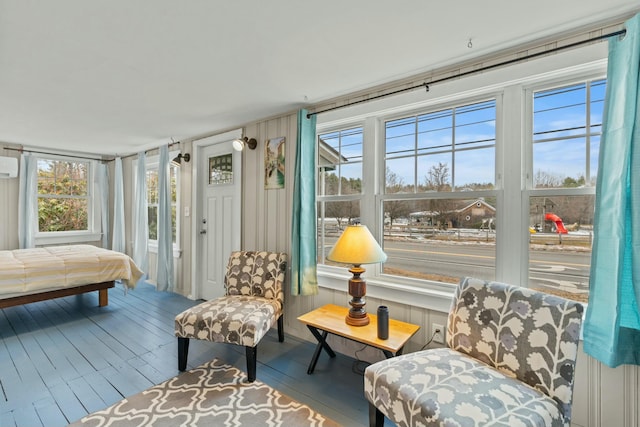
pixel 357 321
pixel 357 289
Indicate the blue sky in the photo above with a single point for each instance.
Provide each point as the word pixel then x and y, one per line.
pixel 415 144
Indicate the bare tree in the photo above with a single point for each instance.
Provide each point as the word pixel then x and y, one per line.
pixel 341 210
pixel 543 179
pixel 394 209
pixel 437 178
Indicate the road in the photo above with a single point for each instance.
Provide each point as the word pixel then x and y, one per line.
pixel 565 270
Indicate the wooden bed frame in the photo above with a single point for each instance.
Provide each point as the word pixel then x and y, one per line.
pixel 102 288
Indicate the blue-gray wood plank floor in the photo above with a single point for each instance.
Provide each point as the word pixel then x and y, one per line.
pixel 64 358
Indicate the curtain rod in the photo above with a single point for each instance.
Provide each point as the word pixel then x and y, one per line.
pixel 479 70
pixel 146 151
pixel 22 150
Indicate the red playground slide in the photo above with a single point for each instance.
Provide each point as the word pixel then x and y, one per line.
pixel 560 228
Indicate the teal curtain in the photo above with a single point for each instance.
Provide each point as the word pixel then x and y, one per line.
pixel 102 186
pixel 118 240
pixel 612 323
pixel 165 234
pixel 28 201
pixel 304 278
pixel 141 217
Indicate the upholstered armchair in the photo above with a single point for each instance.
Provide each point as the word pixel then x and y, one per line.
pixel 509 361
pixel 253 303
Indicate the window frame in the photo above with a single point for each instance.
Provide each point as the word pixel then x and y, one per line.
pixel 529 190
pixel 152 163
pixel 93 232
pixel 509 88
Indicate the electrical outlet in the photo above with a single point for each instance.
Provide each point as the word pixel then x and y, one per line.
pixel 437 332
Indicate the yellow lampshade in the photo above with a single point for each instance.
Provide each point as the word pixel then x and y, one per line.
pixel 357 246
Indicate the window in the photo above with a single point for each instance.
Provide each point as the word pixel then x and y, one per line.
pixel 567 124
pixel 221 170
pixel 438 189
pixel 438 223
pixel 152 199
pixel 498 184
pixel 446 150
pixel 63 195
pixel 339 170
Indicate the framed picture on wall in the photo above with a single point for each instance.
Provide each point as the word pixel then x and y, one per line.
pixel 274 163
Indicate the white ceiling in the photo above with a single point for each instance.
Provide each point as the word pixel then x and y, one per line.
pixel 119 76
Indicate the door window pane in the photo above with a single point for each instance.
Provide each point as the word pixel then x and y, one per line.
pixel 221 169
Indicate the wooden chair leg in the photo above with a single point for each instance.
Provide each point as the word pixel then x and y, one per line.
pixel 183 351
pixel 376 417
pixel 281 328
pixel 252 356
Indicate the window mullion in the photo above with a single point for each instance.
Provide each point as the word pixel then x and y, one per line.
pixel 370 153
pixel 511 242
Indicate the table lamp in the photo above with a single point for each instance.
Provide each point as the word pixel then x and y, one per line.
pixel 357 246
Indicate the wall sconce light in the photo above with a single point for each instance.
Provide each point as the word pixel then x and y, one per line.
pixel 178 159
pixel 238 144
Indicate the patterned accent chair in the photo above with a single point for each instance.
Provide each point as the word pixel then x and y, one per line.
pixel 254 301
pixel 509 361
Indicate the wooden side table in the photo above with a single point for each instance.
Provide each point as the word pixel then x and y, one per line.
pixel 329 319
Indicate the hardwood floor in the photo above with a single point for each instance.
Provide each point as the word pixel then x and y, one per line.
pixel 62 359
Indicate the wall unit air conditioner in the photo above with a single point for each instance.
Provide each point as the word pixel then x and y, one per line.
pixel 8 167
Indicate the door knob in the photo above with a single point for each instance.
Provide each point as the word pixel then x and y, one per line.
pixel 203 231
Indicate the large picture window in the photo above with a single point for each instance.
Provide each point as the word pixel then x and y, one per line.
pixel 439 206
pixel 498 186
pixel 64 199
pixel 567 124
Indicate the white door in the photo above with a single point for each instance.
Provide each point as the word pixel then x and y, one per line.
pixel 218 210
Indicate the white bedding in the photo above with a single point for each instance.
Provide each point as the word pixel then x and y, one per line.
pixel 27 271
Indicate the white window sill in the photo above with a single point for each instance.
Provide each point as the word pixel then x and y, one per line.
pixel 429 295
pixel 66 237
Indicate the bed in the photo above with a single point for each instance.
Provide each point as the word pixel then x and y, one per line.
pixel 30 275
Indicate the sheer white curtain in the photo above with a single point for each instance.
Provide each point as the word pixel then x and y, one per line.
pixel 28 201
pixel 141 218
pixel 165 234
pixel 118 243
pixel 102 186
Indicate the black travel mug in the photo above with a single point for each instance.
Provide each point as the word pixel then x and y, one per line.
pixel 383 322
